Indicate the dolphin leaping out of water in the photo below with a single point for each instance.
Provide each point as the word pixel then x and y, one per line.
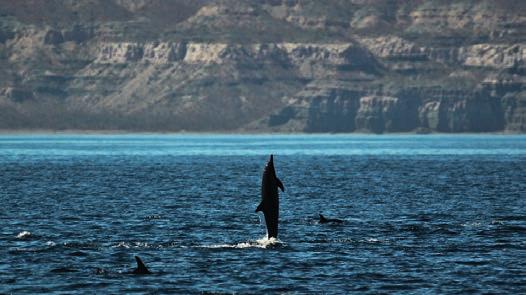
pixel 270 198
pixel 141 268
pixel 329 220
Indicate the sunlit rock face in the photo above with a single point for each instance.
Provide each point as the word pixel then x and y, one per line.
pixel 286 66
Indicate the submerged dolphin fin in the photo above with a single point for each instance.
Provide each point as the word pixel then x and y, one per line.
pixel 330 220
pixel 280 184
pixel 141 268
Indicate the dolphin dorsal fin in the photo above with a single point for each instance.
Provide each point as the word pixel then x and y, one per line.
pixel 322 219
pixel 141 268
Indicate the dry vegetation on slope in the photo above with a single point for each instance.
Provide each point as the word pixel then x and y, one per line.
pixel 276 65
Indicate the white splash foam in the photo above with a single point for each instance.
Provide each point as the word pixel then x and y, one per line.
pixel 263 221
pixel 219 246
pixel 122 245
pixel 264 241
pixel 142 245
pixel 261 243
pixel 51 243
pixel 129 245
pixel 471 224
pixel 24 235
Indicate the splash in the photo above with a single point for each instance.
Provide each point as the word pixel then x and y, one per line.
pixel 265 242
pixel 471 224
pixel 122 245
pixel 151 217
pixel 24 235
pixel 260 243
pixel 128 245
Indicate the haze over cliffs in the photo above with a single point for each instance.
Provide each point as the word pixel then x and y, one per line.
pixel 276 65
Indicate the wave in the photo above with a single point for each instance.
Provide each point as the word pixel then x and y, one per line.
pixel 81 245
pixel 349 241
pixel 263 243
pixel 63 270
pixel 152 217
pixel 128 245
pixel 47 246
pixel 24 235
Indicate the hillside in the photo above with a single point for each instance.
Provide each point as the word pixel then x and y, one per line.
pixel 276 65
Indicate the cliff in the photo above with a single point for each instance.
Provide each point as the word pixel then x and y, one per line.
pixel 287 66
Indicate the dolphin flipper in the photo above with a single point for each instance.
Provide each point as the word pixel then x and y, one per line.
pixel 280 184
pixel 260 207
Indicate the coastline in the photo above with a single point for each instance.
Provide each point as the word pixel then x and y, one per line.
pixel 231 133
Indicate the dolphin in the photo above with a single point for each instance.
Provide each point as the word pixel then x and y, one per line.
pixel 141 268
pixel 329 220
pixel 270 198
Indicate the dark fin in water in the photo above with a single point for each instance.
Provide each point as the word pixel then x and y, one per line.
pixel 280 185
pixel 63 270
pixel 330 220
pixel 141 268
pixel 260 207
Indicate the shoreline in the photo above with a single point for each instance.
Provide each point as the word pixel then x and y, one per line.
pixel 4 132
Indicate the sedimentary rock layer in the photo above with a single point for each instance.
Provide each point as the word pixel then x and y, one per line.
pixel 302 66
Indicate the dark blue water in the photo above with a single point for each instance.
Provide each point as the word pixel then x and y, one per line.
pixel 435 214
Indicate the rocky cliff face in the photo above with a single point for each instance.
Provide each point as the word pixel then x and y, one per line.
pixel 302 66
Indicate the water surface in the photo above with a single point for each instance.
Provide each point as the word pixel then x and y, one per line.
pixel 439 214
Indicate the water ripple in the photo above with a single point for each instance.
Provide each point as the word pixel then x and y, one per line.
pixel 438 214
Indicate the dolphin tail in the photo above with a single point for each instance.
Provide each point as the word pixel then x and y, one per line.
pixel 141 268
pixel 280 184
pixel 271 222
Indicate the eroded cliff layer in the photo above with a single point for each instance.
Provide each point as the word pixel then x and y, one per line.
pixel 289 66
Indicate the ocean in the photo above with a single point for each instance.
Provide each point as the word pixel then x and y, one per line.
pixel 422 214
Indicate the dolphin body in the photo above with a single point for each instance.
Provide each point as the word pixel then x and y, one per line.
pixel 270 198
pixel 330 220
pixel 141 269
